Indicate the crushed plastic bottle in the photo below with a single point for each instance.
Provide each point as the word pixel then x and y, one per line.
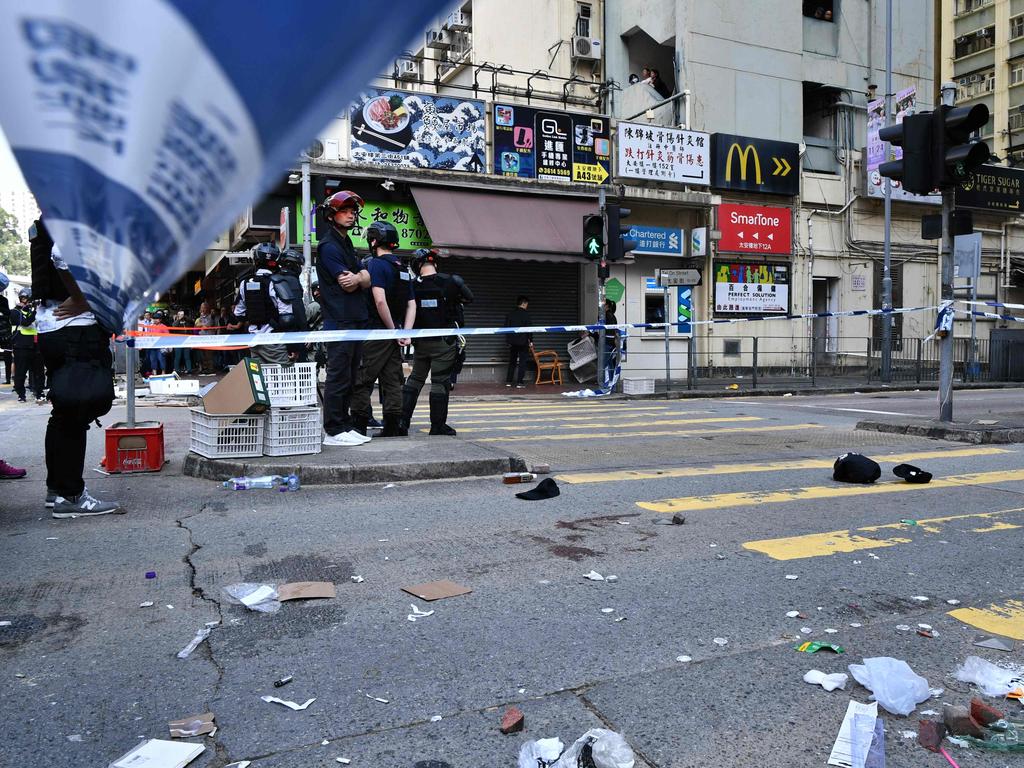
pixel 511 478
pixel 291 483
pixel 283 483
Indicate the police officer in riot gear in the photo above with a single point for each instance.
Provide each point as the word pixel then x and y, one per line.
pixel 28 362
pixel 289 290
pixel 437 306
pixel 391 305
pixel 261 303
pixel 465 296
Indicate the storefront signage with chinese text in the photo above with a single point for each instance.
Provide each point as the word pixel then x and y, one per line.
pixel 743 288
pixel 993 188
pixel 755 229
pixel 546 144
pixel 664 154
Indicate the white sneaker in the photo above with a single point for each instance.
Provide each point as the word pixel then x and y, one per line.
pixel 343 440
pixel 357 436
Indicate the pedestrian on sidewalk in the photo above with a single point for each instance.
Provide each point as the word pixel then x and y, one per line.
pixel 520 345
pixel 437 301
pixel 77 350
pixel 391 305
pixel 342 283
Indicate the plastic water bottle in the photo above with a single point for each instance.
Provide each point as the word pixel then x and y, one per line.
pixel 290 483
pixel 247 483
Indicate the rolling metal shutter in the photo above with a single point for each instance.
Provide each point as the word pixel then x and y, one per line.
pixel 553 289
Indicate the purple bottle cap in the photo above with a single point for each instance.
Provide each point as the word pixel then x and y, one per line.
pixel 150 574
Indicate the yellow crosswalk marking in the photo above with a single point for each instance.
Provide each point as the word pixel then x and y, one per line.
pixel 748 498
pixel 771 466
pixel 555 406
pixel 1006 619
pixel 599 425
pixel 866 537
pixel 457 420
pixel 660 433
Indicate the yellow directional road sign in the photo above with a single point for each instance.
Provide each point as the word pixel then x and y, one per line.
pixel 590 173
pixel 782 166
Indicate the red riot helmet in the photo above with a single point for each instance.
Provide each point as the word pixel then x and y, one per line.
pixel 339 201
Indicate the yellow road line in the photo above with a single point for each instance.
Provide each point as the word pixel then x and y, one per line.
pixel 454 418
pixel 1006 619
pixel 557 406
pixel 771 466
pixel 599 425
pixel 660 433
pixel 747 498
pixel 835 542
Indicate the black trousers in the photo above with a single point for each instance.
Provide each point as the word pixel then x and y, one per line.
pixel 518 357
pixel 65 431
pixel 28 362
pixel 342 366
pixel 8 357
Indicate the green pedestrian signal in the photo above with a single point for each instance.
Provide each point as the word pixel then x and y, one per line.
pixel 593 236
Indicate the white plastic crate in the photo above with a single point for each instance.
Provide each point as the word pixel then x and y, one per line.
pixel 637 386
pixel 290 385
pixel 581 352
pixel 226 436
pixel 292 431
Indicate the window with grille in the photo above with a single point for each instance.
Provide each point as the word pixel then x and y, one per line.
pixel 975 84
pixel 1016 26
pixel 583 14
pixel 966 6
pixel 974 42
pixel 1016 72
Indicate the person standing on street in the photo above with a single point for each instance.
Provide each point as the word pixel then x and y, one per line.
pixel 27 360
pixel 289 290
pixel 182 355
pixel 342 281
pixel 261 304
pixel 465 296
pixel 520 345
pixel 77 351
pixel 391 305
pixel 437 301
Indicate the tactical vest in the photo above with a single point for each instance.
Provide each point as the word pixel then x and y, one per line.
pixel 46 282
pixel 397 296
pixel 289 290
pixel 260 308
pixel 434 302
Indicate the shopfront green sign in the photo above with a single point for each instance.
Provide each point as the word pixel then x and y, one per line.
pixel 412 231
pixel 614 290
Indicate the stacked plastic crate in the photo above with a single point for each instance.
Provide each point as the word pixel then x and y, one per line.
pixel 293 423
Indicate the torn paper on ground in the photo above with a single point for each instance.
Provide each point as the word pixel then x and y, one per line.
pixel 289 704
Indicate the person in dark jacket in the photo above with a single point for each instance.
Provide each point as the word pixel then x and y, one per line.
pixel 5 329
pixel 520 345
pixel 27 360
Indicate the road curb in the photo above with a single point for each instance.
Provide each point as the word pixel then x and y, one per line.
pixel 351 473
pixel 977 434
pixel 861 389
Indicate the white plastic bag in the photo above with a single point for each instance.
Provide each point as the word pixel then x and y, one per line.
pixel 540 753
pixel 255 597
pixel 892 683
pixel 993 680
pixel 828 682
pixel 599 748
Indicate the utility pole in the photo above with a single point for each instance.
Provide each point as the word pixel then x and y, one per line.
pixel 602 273
pixel 946 281
pixel 307 248
pixel 887 255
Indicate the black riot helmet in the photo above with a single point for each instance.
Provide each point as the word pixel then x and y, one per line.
pixel 265 256
pixel 382 234
pixel 291 261
pixel 424 256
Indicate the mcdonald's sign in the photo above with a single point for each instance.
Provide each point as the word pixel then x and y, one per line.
pixel 755 165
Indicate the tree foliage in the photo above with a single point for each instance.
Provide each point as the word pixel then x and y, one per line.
pixel 14 256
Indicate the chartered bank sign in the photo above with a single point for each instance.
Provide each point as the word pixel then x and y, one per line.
pixel 755 165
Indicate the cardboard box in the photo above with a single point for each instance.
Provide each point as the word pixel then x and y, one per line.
pixel 242 390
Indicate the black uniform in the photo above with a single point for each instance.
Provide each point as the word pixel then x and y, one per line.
pixel 465 297
pixel 263 308
pixel 6 337
pixel 28 362
pixel 437 306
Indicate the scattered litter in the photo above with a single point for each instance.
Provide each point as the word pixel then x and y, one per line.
pixel 324 743
pixel 926 633
pixel 908 734
pixel 855 735
pixel 956 740
pixel 540 752
pixel 856 624
pixel 787 394
pixel 855 468
pixel 994 642
pixel 436 719
pixel 732 386
pixel 815 646
pixel 873 556
pixel 146 604
pixel 953 602
pixel 306 590
pixel 719 557
pixel 593 576
pixel 806 630
pixel 907 521
pixel 924 626
pixel 239 764
pixel 159 753
pixel 383 541
pixel 607 610
pixel 620 618
pixel 792 576
pixel 377 698
pixel 912 474
pixel 514 478
pixel 194 725
pixel 75 737
pixel 723 641
pixel 5 623
pixel 150 574
pixel 903 627
pixel 283 681
pixel 541 469
pixel 936 692
pixel 828 682
pixel 830 631
pixel 290 704
pixel 417 613
pixel 389 485
pixel 678 519
pixel 929 712
pixel 52 538
pixel 892 683
pixel 920 598
pixel 611 579
pixel 342 760
pixel 169 607
pixel 545 489
pixel 684 659
pixel 437 590
pixel 358 579
pixel 622 522
pixel 512 721
pixel 255 597
pixel 930 735
pixel 201 634
pixel 792 614
pixel 597 747
pixel 993 680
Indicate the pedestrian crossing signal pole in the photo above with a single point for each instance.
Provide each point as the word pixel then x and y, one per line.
pixel 602 274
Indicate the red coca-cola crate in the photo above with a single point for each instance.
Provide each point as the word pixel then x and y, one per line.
pixel 135 449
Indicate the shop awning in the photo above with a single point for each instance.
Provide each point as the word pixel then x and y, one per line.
pixel 504 226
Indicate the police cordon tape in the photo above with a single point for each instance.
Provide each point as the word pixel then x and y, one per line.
pixel 386 334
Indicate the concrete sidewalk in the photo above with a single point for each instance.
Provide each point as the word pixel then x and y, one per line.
pixel 1000 428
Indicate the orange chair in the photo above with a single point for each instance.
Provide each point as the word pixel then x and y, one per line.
pixel 547 361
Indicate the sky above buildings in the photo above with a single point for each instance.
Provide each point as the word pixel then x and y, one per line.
pixel 10 175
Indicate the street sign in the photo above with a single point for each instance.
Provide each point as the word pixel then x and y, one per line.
pixel 755 165
pixel 993 188
pixel 614 290
pixel 755 229
pixel 591 173
pixel 671 277
pixel 658 241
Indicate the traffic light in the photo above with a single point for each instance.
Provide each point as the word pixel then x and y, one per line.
pixel 953 158
pixel 914 169
pixel 593 236
pixel 619 242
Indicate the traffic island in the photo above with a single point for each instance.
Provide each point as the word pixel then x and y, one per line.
pixel 381 460
pixel 977 432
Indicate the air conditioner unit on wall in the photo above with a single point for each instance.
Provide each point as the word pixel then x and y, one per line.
pixel 457 21
pixel 438 39
pixel 587 48
pixel 407 69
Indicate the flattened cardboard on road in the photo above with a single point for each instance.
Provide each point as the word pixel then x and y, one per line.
pixel 193 725
pixel 437 590
pixel 242 390
pixel 158 753
pixel 306 590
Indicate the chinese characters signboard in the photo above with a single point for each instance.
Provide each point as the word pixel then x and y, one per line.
pixel 412 232
pixel 755 165
pixel 755 229
pixel 664 154
pixel 904 103
pixel 751 289
pixel 993 188
pixel 658 241
pixel 417 130
pixel 539 144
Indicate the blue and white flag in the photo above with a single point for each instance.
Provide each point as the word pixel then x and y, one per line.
pixel 144 127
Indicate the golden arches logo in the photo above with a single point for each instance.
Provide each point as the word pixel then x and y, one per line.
pixel 744 154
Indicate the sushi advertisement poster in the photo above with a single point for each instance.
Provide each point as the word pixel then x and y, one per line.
pixel 418 130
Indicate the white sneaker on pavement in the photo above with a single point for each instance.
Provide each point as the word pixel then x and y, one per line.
pixel 343 440
pixel 357 436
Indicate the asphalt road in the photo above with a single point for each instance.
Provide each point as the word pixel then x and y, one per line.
pixel 85 672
